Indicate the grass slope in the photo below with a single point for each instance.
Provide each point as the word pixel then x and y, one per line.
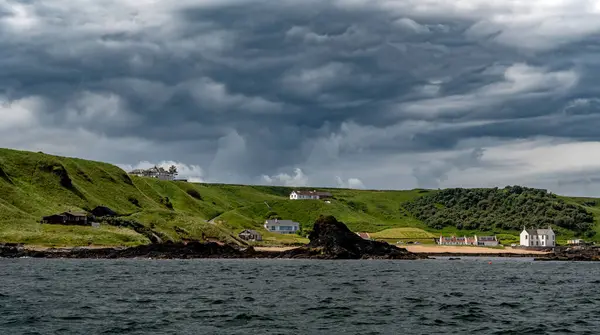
pixel 35 184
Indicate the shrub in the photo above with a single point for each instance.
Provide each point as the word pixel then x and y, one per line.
pixel 194 194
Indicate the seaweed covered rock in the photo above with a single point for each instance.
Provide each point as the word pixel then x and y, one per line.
pixel 163 251
pixel 578 253
pixel 332 239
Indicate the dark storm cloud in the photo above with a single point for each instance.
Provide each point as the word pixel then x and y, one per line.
pixel 246 88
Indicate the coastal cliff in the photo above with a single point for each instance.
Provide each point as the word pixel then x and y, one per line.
pixel 330 239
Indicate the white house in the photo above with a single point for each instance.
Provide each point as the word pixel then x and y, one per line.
pixel 302 195
pixel 538 237
pixel 282 226
pixel 488 241
pixel 154 172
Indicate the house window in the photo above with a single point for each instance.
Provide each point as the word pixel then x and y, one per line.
pixel 525 236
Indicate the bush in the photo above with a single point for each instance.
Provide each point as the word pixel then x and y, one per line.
pixel 272 216
pixel 194 194
pixel 134 201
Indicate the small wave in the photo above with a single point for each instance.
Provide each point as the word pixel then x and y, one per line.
pixel 453 294
pixel 323 308
pixel 249 299
pixel 249 317
pixel 470 316
pixel 510 304
pixel 457 306
pixel 411 299
pixel 72 317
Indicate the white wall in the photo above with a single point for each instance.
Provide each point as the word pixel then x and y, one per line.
pixel 538 240
pixel 525 239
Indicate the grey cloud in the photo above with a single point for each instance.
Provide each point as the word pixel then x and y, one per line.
pixel 251 88
pixel 431 174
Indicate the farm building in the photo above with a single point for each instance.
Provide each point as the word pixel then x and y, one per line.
pixel 155 172
pixel 365 236
pixel 488 241
pixel 304 195
pixel 250 235
pixel 67 218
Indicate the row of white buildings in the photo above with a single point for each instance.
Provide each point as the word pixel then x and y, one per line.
pixel 488 241
pixel 308 195
pixel 528 238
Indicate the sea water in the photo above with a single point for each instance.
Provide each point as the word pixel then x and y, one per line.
pixel 438 296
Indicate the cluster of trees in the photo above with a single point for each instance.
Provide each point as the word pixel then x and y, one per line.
pixel 510 208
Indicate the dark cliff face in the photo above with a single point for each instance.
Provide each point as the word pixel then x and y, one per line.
pixel 336 241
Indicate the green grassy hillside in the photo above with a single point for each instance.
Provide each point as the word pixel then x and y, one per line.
pixel 33 185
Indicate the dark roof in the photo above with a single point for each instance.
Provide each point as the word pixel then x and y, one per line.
pixel 53 216
pixel 249 231
pixel 319 193
pixel 281 222
pixel 486 238
pixel 75 213
pixel 539 231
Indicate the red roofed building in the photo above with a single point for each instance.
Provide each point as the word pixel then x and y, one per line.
pixel 366 236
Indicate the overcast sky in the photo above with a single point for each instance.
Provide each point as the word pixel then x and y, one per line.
pixel 378 94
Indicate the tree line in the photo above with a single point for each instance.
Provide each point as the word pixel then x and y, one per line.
pixel 510 208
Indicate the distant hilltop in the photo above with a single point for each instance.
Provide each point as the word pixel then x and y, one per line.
pixel 152 204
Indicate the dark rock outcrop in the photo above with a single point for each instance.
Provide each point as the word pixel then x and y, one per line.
pixel 580 254
pixel 100 211
pixel 331 239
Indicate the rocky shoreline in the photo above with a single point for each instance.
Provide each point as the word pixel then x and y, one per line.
pixel 576 254
pixel 483 254
pixel 330 239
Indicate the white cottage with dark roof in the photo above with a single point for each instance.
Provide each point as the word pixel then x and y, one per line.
pixel 300 195
pixel 538 237
pixel 282 226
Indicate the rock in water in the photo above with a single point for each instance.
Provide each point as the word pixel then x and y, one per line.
pixel 332 239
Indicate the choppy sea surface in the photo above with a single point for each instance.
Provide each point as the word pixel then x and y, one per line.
pixel 440 296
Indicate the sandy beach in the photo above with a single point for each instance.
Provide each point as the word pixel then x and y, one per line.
pixel 467 250
pixel 440 249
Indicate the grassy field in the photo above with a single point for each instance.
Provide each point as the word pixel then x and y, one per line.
pixel 33 185
pixel 403 233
